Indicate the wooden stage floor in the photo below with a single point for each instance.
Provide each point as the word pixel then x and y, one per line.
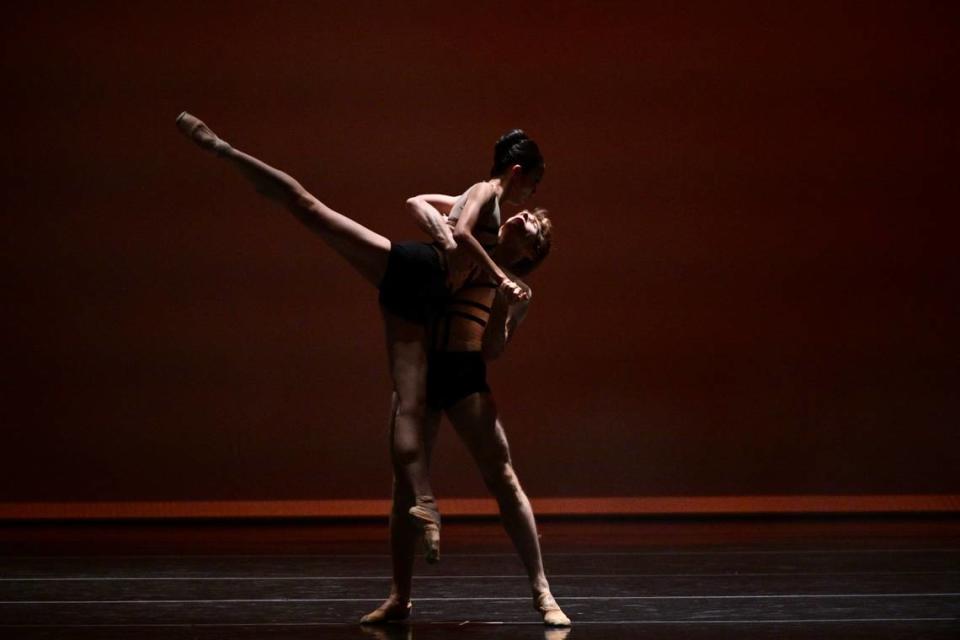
pixel 864 577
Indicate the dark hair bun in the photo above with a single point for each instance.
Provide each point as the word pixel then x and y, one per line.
pixel 515 147
pixel 509 139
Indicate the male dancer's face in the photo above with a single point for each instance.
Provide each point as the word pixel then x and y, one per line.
pixel 523 229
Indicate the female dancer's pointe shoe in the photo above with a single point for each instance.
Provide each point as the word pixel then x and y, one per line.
pixel 389 611
pixel 553 616
pixel 194 128
pixel 428 519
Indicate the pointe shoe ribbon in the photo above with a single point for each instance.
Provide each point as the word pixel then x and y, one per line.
pixel 553 616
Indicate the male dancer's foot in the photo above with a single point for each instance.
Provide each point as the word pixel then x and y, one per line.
pixel 553 616
pixel 201 134
pixel 392 610
pixel 427 519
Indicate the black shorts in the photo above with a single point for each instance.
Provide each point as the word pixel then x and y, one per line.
pixel 454 375
pixel 415 283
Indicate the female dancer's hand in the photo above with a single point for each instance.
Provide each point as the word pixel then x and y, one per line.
pixel 512 291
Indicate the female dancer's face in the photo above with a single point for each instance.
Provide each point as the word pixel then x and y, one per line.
pixel 522 185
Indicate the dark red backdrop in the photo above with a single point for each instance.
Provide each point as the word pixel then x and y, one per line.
pixel 752 288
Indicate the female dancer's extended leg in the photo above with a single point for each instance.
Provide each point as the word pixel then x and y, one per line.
pixel 368 252
pixel 364 249
pixel 475 420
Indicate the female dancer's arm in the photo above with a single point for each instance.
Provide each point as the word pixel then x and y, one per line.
pixel 479 196
pixel 430 212
pixel 441 203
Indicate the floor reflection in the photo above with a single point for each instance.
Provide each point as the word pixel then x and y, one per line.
pixel 388 631
pixel 406 631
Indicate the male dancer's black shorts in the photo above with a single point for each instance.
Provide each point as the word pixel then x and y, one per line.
pixel 454 375
pixel 415 283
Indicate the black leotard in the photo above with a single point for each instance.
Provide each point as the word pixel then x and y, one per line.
pixel 414 285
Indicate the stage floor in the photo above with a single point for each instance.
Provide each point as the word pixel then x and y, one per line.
pixel 643 578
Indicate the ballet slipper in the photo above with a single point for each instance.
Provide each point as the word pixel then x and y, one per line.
pixel 194 128
pixel 553 616
pixel 427 518
pixel 389 611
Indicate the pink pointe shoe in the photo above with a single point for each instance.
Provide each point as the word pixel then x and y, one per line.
pixel 553 616
pixel 427 518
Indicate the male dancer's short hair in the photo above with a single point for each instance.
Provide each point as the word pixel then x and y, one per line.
pixel 541 247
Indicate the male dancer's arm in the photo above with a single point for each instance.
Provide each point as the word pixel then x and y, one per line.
pixel 505 319
pixel 430 213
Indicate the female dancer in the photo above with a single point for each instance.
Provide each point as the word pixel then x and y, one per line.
pixel 411 277
pixel 475 324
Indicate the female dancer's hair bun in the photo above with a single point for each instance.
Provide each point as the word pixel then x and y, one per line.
pixel 509 139
pixel 515 147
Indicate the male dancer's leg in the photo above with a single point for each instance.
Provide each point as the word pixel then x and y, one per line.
pixel 475 420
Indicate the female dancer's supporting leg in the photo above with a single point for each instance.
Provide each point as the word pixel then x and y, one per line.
pixel 475 420
pixel 411 465
pixel 403 532
pixel 368 253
